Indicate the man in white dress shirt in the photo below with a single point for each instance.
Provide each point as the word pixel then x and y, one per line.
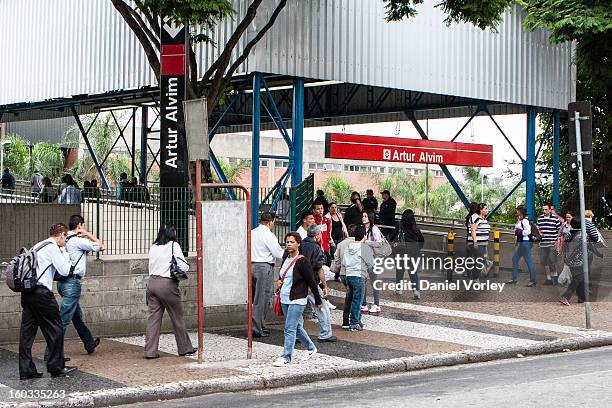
pixel 265 249
pixel 41 310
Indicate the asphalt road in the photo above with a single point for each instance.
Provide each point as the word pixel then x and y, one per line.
pixel 562 380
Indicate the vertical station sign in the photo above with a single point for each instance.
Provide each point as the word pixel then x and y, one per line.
pixel 174 162
pixel 173 143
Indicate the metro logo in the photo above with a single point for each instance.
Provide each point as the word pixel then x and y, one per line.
pixel 395 149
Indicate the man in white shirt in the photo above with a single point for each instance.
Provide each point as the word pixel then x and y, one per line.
pixel 265 249
pixel 308 219
pixel 41 310
pixel 78 243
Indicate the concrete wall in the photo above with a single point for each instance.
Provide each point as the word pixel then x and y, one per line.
pixel 29 223
pixel 113 301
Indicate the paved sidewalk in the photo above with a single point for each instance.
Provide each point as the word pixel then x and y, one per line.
pixel 405 329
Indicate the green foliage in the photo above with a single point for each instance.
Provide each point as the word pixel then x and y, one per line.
pixel 337 189
pixel 48 159
pixel 16 157
pixel 481 13
pixel 232 171
pixel 205 13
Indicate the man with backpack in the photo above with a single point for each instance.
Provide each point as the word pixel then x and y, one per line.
pixel 78 243
pixel 40 308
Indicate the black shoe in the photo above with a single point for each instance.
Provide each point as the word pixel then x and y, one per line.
pixel 259 335
pixel 64 372
pixel 266 332
pixel 96 344
pixel 511 282
pixel 152 357
pixel 31 376
pixel 298 341
pixel 190 353
pixel 331 339
pixel 548 282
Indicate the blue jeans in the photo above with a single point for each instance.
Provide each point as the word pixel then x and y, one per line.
pixel 70 311
pixel 294 327
pixel 523 250
pixel 325 329
pixel 355 288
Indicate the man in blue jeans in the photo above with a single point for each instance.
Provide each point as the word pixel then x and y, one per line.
pixel 78 243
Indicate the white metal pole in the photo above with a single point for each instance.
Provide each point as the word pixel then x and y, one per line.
pixel 585 257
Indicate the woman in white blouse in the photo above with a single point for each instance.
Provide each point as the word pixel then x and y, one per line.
pixel 374 239
pixel 163 293
pixel 522 232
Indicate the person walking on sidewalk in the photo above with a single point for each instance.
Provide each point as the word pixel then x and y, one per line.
pixel 374 239
pixel 358 261
pixel 310 248
pixel 522 231
pixel 549 226
pixel 265 250
pixel 40 308
pixel 78 243
pixel 295 278
pixel 163 293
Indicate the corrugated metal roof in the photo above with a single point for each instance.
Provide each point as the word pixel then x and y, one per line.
pixel 54 48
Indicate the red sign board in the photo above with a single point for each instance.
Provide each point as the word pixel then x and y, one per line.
pixel 400 150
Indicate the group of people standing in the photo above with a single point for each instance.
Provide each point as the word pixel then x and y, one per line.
pixel 326 246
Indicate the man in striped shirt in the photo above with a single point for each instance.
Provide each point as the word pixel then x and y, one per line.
pixel 549 226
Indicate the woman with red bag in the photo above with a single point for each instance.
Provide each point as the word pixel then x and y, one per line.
pixel 296 276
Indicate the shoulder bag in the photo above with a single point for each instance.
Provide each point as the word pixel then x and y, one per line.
pixel 175 272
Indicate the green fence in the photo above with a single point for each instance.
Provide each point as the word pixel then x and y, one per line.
pixel 301 198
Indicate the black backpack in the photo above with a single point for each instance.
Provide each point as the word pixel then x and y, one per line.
pixel 21 270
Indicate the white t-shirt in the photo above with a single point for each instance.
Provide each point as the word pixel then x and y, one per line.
pixel 302 232
pixel 160 257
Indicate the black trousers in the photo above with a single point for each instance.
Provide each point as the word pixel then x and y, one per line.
pixel 40 309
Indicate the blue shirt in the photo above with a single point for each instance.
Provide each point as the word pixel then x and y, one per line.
pixel 77 246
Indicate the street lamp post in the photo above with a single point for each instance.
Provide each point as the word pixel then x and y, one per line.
pixel 2 144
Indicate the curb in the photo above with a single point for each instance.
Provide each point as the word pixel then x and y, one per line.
pixel 185 389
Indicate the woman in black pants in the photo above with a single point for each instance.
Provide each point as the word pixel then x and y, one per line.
pixel 407 240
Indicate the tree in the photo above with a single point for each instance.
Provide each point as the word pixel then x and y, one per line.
pixel 337 190
pixel 16 157
pixel 48 159
pixel 203 16
pixel 589 23
pixel 232 171
pixel 102 136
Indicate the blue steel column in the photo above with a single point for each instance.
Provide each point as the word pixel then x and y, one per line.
pixel 255 149
pixel 297 126
pixel 556 129
pixel 529 169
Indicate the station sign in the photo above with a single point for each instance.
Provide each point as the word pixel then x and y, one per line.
pixel 173 142
pixel 401 150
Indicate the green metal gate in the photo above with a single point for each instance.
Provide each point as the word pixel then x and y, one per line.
pixel 301 198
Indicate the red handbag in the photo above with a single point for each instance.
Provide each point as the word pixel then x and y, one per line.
pixel 278 309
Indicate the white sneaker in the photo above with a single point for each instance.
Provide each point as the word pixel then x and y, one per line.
pixel 364 309
pixel 330 305
pixel 280 362
pixel 309 354
pixel 375 309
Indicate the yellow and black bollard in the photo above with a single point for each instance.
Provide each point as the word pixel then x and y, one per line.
pixel 496 235
pixel 450 252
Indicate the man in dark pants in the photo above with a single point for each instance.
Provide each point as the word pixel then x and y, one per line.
pixel 40 308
